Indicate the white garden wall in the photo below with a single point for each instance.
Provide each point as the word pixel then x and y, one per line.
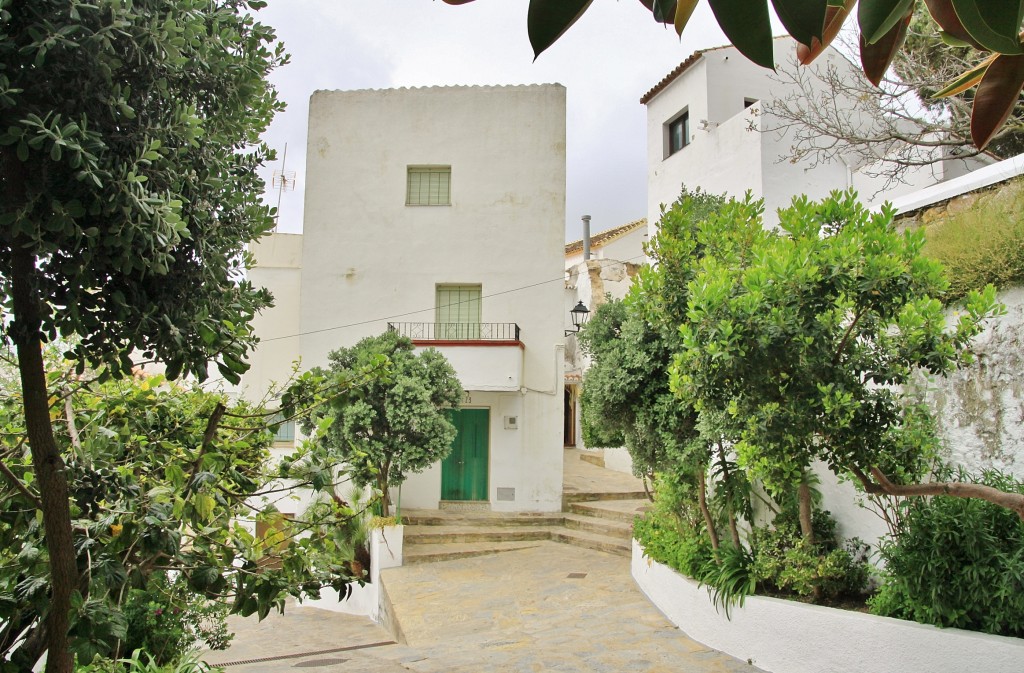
pixel 782 636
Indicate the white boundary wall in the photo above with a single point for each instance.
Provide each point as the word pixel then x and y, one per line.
pixel 790 637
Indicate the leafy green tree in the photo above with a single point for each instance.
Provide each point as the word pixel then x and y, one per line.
pixel 398 424
pixel 128 188
pixel 882 25
pixel 626 391
pixel 163 479
pixel 806 340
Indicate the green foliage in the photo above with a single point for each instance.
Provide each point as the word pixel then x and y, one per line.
pixel 626 398
pixel 801 336
pixel 730 577
pixel 785 561
pixel 129 161
pixel 674 532
pixel 957 562
pixel 155 485
pixel 399 423
pixel 982 244
pixel 165 619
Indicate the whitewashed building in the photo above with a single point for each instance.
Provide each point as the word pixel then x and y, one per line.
pixel 708 127
pixel 437 212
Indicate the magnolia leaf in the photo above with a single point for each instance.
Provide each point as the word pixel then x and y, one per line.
pixel 878 17
pixel 995 24
pixel 748 27
pixel 835 16
pixel 943 13
pixel 547 20
pixel 876 57
pixel 664 11
pixel 996 97
pixel 684 10
pixel 966 80
pixel 803 19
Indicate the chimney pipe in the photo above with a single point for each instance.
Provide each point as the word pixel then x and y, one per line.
pixel 586 238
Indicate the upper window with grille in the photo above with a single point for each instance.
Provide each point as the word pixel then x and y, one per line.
pixel 429 186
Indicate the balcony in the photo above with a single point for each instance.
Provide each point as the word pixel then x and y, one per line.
pixel 453 331
pixel 486 356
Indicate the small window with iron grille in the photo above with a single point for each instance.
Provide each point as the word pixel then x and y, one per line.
pixel 429 186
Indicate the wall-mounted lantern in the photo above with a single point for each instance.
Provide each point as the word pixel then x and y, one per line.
pixel 579 314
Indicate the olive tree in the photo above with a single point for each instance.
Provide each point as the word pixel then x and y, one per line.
pixel 129 144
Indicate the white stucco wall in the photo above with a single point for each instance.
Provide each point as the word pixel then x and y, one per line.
pixel 782 636
pixel 279 260
pixel 368 259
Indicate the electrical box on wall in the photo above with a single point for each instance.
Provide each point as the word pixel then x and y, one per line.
pixel 511 422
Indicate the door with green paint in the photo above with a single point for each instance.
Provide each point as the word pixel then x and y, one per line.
pixel 464 471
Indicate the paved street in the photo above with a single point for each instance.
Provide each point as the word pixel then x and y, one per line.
pixel 551 607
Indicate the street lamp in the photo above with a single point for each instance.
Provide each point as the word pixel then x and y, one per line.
pixel 579 314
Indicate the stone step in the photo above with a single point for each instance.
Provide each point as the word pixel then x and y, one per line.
pixel 433 553
pixel 435 534
pixel 588 540
pixel 585 496
pixel 593 457
pixel 448 518
pixel 618 510
pixel 608 527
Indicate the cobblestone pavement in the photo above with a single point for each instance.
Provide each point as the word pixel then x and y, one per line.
pixel 551 607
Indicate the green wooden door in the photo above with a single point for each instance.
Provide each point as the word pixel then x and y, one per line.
pixel 464 471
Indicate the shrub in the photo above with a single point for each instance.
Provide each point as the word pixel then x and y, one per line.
pixel 784 561
pixel 982 244
pixel 666 540
pixel 957 562
pixel 165 620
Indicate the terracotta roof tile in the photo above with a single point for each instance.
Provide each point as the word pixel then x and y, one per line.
pixel 605 237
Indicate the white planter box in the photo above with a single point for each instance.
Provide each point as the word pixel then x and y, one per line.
pixel 385 549
pixel 790 637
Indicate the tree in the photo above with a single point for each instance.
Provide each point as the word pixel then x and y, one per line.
pixel 882 24
pixel 835 113
pixel 128 188
pixel 163 502
pixel 399 423
pixel 626 396
pixel 806 341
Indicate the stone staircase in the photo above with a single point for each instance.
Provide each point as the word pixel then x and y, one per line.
pixel 594 519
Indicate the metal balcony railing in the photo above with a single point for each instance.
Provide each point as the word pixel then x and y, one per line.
pixel 454 331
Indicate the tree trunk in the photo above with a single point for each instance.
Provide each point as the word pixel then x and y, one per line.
pixel 804 495
pixel 956 489
pixel 46 459
pixel 702 500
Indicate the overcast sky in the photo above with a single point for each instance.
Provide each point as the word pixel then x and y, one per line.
pixel 607 61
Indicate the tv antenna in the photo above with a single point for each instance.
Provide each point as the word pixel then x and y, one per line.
pixel 282 181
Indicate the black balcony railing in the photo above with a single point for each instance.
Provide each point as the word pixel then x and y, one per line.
pixel 456 331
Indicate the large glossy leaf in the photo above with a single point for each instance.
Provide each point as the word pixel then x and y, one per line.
pixel 547 20
pixel 457 2
pixel 995 24
pixel 875 57
pixel 877 17
pixel 803 19
pixel 684 10
pixel 664 11
pixel 966 80
pixel 746 24
pixel 996 97
pixel 835 16
pixel 943 13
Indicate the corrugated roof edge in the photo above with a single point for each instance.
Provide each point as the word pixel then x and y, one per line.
pixel 944 191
